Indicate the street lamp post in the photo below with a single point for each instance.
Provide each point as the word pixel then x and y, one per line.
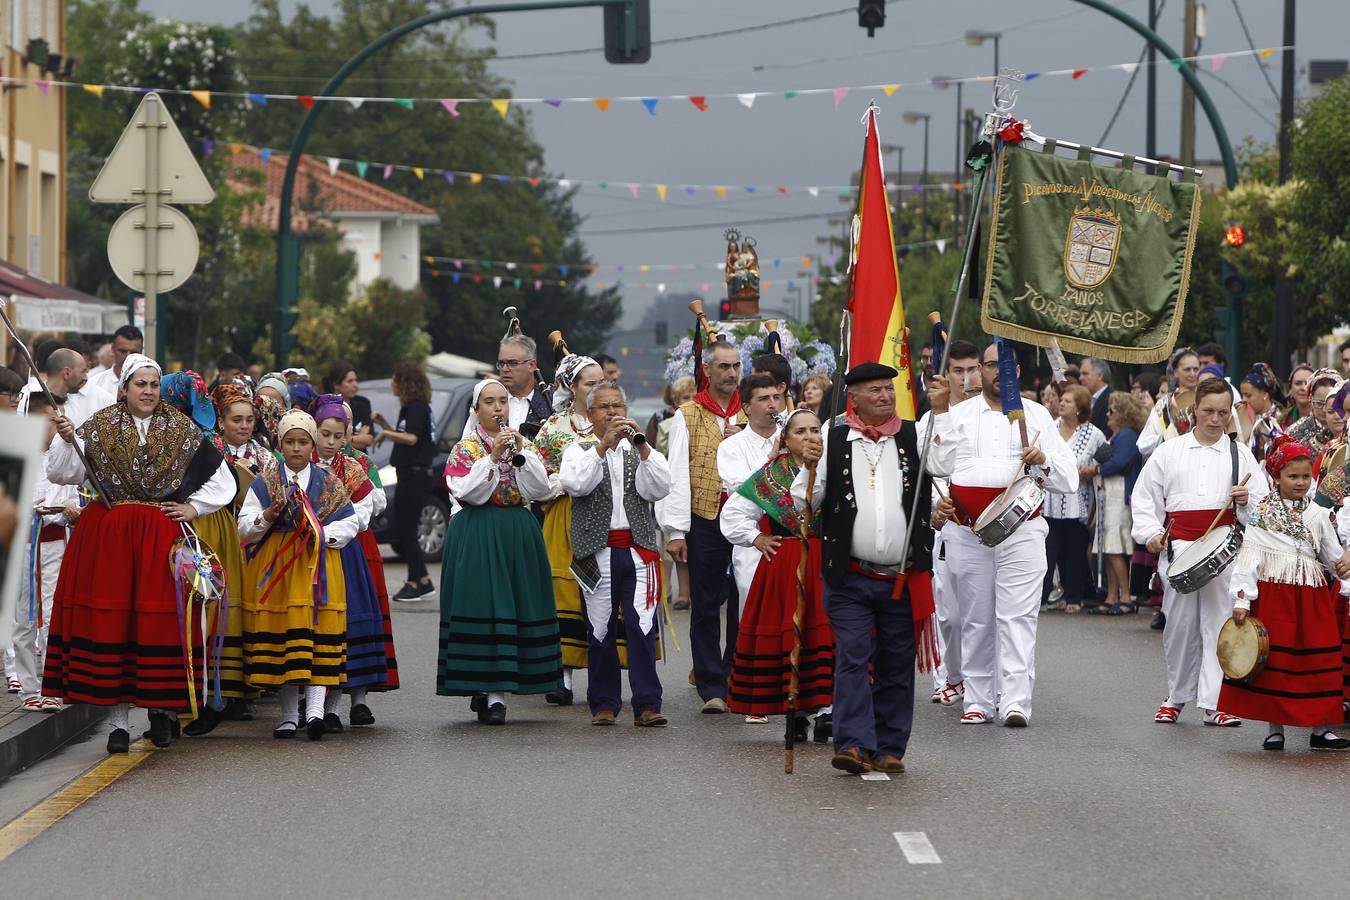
pixel 899 161
pixel 977 38
pixel 910 119
pixel 941 84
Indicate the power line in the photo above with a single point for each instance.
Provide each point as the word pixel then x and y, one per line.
pixel 1260 63
pixel 682 39
pixel 1240 95
pixel 1129 85
pixel 702 225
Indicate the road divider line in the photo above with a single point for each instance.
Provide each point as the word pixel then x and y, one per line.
pixel 916 847
pixel 15 835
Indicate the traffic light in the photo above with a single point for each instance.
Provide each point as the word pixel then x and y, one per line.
pixel 871 15
pixel 628 32
pixel 1234 236
pixel 1228 328
pixel 662 334
pixel 724 310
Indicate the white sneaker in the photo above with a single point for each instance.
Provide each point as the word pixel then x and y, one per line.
pixel 937 694
pixel 950 693
pixel 1014 718
pixel 756 720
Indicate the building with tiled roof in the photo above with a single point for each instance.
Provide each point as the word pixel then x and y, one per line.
pixel 382 228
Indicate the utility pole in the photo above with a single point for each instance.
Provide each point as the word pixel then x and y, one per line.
pixel 1151 125
pixel 1284 288
pixel 1187 95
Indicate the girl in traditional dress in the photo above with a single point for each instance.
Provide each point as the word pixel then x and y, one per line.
pixel 1318 430
pixel 118 635
pixel 763 515
pixel 499 626
pixel 576 376
pixel 297 518
pixel 1258 412
pixel 1278 577
pixel 366 663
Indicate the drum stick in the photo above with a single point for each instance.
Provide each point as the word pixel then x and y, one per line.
pixel 1227 504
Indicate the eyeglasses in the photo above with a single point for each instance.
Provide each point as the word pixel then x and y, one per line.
pixel 992 364
pixel 504 364
pixel 606 407
pixel 1319 404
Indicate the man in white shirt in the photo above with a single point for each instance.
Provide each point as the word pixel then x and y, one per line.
pixel 616 555
pixel 878 591
pixel 126 341
pixel 1181 490
pixel 963 376
pixel 999 588
pixel 689 516
pixel 527 402
pixel 745 453
pixel 64 375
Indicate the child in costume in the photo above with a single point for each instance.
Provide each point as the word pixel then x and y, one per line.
pixel 1278 577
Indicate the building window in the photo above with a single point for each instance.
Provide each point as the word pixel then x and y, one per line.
pixel 49 226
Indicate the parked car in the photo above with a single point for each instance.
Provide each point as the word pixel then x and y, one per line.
pixel 449 410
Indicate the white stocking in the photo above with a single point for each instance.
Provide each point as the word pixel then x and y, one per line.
pixel 567 678
pixel 118 717
pixel 330 703
pixel 496 698
pixel 289 695
pixel 314 698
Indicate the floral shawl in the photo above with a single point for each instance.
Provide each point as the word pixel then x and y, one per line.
pixel 174 462
pixel 557 434
pixel 476 446
pixel 771 490
pixel 349 472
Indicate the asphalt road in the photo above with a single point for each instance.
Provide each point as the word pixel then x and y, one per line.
pixel 1092 799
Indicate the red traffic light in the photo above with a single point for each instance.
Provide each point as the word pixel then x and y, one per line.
pixel 1234 236
pixel 724 310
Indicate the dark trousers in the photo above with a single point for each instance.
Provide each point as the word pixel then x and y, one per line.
pixel 1066 546
pixel 415 484
pixel 711 587
pixel 604 685
pixel 873 665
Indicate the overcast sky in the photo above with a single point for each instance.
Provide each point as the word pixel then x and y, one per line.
pixel 807 140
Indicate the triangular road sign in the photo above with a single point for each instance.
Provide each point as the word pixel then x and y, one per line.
pixel 123 176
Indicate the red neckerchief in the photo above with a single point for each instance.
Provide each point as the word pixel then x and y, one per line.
pixel 874 433
pixel 705 399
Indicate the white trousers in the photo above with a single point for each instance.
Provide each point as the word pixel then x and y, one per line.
pixel 998 597
pixel 948 617
pixel 30 639
pixel 599 603
pixel 1191 638
pixel 744 563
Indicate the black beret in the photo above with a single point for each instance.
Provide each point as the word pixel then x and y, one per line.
pixel 869 371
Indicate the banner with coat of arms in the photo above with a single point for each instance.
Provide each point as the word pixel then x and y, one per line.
pixel 1097 258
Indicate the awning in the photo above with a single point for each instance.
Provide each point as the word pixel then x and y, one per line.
pixel 37 304
pixel 455 366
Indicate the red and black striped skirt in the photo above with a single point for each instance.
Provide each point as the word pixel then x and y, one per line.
pixel 761 668
pixel 115 633
pixel 1302 681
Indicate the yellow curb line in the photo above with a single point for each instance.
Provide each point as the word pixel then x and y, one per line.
pixel 15 835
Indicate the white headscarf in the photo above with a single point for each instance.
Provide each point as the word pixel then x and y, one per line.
pixel 298 419
pixel 132 363
pixel 473 404
pixel 569 368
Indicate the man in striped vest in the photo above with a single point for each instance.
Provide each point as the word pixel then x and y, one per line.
pixel 689 513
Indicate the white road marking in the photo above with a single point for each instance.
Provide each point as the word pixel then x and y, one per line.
pixel 875 776
pixel 915 846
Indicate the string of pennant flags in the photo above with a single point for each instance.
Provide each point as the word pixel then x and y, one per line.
pixel 635 189
pixel 538 275
pixel 701 102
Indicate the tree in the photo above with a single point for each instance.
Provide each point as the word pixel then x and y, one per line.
pixel 1319 246
pixel 515 221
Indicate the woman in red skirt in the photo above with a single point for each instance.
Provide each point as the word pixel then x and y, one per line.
pixel 120 634
pixel 762 514
pixel 1279 577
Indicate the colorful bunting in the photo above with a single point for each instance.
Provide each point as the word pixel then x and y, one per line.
pixel 333 164
pixel 602 103
pixel 451 106
pixel 95 89
pixel 418 171
pixel 44 85
pixel 501 106
pixel 258 99
pixel 202 97
pixel 361 168
pixel 747 100
pixel 839 95
pixel 650 103
pixel 306 101
pixel 404 102
pixel 661 192
pixel 701 102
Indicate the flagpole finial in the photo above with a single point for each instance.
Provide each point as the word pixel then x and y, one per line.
pixel 871 108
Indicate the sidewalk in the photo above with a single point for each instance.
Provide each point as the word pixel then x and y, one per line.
pixel 26 737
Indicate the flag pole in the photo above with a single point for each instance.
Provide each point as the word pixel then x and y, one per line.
pixel 1005 96
pixel 846 319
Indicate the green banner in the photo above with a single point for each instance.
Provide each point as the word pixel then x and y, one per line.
pixel 1098 258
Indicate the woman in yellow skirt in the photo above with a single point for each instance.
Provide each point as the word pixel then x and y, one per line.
pixel 295 520
pixel 575 377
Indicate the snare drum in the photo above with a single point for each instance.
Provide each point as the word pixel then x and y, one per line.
pixel 1013 507
pixel 1243 649
pixel 1204 559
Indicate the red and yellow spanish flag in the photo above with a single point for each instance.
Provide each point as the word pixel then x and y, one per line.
pixel 879 332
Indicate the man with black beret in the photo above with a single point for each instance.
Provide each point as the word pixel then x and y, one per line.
pixel 878 591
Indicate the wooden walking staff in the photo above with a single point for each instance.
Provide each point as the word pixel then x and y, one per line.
pixel 797 615
pixel 33 369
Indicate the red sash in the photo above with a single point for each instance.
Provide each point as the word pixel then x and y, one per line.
pixel 971 502
pixel 623 540
pixel 51 533
pixel 1190 524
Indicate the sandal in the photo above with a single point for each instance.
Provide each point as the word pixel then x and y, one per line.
pixel 1120 609
pixel 1072 608
pixel 1167 715
pixel 1273 742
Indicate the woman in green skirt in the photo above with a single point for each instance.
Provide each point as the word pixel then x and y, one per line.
pixel 499 626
